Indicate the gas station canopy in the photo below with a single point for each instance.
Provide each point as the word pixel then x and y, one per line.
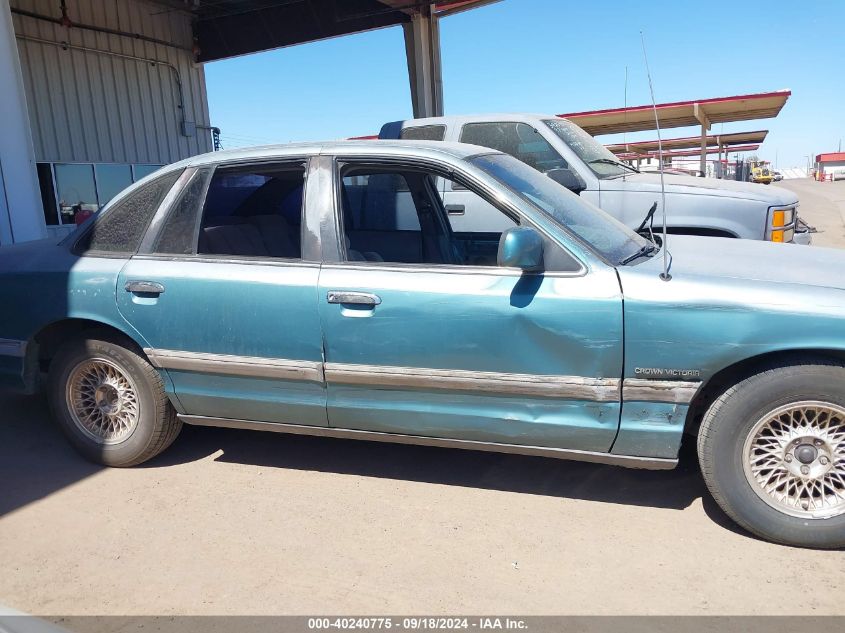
pixel 227 28
pixel 703 112
pixel 727 141
pixel 688 152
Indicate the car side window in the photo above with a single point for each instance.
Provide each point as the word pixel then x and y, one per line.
pixel 520 140
pixel 254 211
pixel 424 133
pixel 177 235
pixel 120 228
pixel 397 216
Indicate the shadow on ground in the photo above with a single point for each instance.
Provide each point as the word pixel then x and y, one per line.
pixel 35 458
pixel 35 461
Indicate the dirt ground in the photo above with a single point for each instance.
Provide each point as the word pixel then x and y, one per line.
pixel 237 522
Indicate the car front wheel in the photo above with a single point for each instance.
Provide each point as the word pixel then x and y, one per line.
pixel 772 452
pixel 110 402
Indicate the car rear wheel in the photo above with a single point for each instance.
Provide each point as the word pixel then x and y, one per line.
pixel 772 452
pixel 110 402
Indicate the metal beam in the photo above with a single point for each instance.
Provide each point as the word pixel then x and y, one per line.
pixel 422 47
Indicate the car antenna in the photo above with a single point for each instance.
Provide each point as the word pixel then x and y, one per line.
pixel 625 118
pixel 665 276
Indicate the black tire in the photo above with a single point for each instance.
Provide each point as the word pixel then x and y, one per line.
pixel 155 425
pixel 721 445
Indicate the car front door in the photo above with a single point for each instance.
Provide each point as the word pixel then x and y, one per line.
pixel 224 299
pixel 439 341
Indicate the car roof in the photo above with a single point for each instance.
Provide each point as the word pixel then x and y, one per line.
pixel 477 118
pixel 431 149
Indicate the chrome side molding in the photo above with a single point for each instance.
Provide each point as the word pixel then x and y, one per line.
pixel 650 463
pixel 671 391
pixel 12 347
pixel 245 366
pixel 567 387
pixel 424 378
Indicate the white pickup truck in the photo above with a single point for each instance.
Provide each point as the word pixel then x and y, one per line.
pixel 566 153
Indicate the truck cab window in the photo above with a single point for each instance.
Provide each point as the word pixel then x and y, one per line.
pixel 424 133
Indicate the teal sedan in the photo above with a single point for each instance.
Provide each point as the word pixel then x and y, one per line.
pixel 321 289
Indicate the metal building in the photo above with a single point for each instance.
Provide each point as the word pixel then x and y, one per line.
pixel 110 93
pixel 830 166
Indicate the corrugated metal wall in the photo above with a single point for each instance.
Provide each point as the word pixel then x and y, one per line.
pixel 89 106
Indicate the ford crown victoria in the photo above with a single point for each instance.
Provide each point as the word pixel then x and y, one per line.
pixel 322 289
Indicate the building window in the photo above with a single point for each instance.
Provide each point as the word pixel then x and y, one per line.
pixel 111 180
pixel 48 193
pixel 76 190
pixel 142 171
pixel 71 192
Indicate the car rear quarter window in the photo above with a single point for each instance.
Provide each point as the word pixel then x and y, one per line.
pixel 120 228
pixel 424 133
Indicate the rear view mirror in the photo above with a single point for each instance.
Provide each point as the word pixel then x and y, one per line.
pixel 521 247
pixel 568 179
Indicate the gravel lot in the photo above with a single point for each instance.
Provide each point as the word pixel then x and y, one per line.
pixel 238 522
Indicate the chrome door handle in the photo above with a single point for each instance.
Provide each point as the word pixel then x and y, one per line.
pixel 353 298
pixel 455 209
pixel 144 287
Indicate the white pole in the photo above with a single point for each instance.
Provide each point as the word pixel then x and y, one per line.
pixel 21 214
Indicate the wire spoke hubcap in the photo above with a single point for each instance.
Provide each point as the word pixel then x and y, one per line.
pixel 102 401
pixel 794 459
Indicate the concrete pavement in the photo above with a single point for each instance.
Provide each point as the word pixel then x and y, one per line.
pixel 822 205
pixel 238 522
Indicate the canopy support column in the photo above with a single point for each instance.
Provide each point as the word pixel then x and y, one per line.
pixel 422 48
pixel 698 110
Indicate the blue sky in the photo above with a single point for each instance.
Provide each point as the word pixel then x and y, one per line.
pixel 556 56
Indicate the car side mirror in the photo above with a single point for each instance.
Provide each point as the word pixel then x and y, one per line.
pixel 521 247
pixel 568 178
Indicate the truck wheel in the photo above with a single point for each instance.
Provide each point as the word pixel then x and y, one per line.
pixel 772 452
pixel 110 402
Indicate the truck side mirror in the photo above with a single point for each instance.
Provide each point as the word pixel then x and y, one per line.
pixel 521 247
pixel 568 179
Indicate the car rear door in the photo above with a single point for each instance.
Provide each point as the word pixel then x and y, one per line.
pixel 224 299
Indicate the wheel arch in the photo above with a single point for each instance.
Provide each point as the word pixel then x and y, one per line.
pixel 728 376
pixel 43 345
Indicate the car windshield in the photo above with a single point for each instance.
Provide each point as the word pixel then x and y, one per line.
pixel 614 241
pixel 596 156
